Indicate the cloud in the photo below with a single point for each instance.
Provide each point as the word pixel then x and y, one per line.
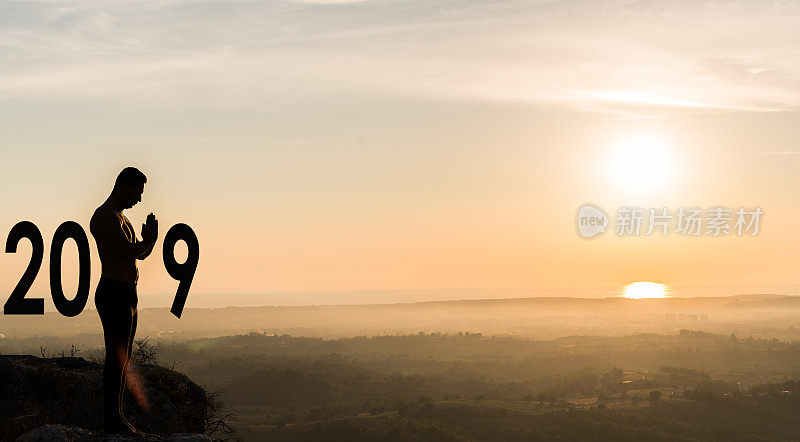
pixel 327 2
pixel 609 56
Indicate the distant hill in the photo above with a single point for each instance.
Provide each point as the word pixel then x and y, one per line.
pixel 544 317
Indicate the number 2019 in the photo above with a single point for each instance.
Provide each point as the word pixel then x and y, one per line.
pixel 18 304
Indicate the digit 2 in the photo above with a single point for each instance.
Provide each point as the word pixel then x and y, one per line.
pixel 17 304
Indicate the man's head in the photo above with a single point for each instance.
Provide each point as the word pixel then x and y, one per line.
pixel 129 186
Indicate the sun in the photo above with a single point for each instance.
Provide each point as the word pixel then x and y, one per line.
pixel 641 289
pixel 641 162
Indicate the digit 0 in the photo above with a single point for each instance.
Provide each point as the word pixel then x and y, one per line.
pixel 70 229
pixel 181 272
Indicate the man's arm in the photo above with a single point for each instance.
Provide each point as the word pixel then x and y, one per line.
pixel 146 252
pixel 111 230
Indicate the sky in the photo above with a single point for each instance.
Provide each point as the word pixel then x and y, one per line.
pixel 332 152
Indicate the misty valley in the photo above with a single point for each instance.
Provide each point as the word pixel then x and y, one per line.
pixel 495 370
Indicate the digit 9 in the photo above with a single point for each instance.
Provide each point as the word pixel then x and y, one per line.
pixel 181 272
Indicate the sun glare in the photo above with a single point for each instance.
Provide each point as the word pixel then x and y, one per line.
pixel 640 163
pixel 640 290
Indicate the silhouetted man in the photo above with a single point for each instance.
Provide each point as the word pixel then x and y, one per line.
pixel 116 297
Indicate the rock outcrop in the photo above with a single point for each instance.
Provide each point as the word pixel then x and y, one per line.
pixel 59 433
pixel 44 397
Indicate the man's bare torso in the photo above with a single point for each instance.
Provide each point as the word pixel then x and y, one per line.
pixel 111 230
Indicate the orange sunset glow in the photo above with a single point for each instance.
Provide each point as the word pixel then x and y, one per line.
pixel 400 220
pixel 449 170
